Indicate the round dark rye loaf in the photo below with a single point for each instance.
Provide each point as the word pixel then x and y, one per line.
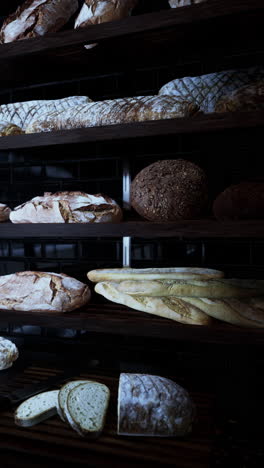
pixel 241 201
pixel 170 190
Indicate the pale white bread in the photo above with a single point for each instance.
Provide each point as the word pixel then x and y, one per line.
pixel 4 212
pixel 23 113
pixel 8 353
pixel 120 274
pixel 215 288
pixel 149 405
pixel 172 307
pixel 37 17
pixel 116 111
pixel 180 3
pixel 86 408
pixel 206 90
pixel 8 128
pixel 37 409
pixel 63 395
pixel 68 207
pixel 42 292
pixel 247 312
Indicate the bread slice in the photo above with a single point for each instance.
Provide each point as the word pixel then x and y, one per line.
pixel 172 307
pixel 86 408
pixel 37 409
pixel 119 274
pixel 63 395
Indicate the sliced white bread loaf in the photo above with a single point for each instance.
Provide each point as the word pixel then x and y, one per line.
pixel 86 408
pixel 37 409
pixel 63 395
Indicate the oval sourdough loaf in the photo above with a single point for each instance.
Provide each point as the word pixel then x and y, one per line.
pixel 241 201
pixel 174 308
pixel 42 292
pixel 36 18
pixel 8 353
pixel 68 207
pixel 63 395
pixel 37 409
pixel 8 128
pixel 4 212
pixel 149 405
pixel 211 288
pixel 247 98
pixel 206 90
pixel 86 408
pixel 23 113
pixel 169 190
pixel 120 274
pixel 116 111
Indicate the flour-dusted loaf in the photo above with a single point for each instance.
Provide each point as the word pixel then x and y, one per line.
pixel 115 111
pixel 68 207
pixel 247 98
pixel 4 212
pixel 23 113
pixel 180 3
pixel 210 288
pixel 206 90
pixel 169 190
pixel 86 408
pixel 149 405
pixel 37 17
pixel 120 274
pixel 42 292
pixel 8 353
pixel 240 201
pixel 244 312
pixel 174 308
pixel 8 128
pixel 63 395
pixel 37 409
pixel 102 11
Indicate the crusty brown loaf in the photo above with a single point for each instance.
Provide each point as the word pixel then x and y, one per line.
pixel 4 212
pixel 170 190
pixel 102 11
pixel 67 207
pixel 8 128
pixel 116 111
pixel 241 201
pixel 149 405
pixel 42 292
pixel 246 98
pixel 36 18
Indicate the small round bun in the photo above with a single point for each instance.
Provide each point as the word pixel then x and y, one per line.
pixel 170 190
pixel 8 353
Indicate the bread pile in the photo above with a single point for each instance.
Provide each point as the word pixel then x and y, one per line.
pixel 148 405
pixel 188 295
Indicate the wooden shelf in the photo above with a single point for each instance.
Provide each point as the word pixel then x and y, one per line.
pixel 186 229
pixel 119 320
pixel 62 54
pixel 200 124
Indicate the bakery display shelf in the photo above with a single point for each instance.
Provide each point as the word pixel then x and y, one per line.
pixel 182 229
pixel 115 319
pixel 63 53
pixel 200 124
pixel 53 441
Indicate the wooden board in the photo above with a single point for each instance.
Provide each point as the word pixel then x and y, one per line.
pixel 115 319
pixel 54 441
pixel 200 124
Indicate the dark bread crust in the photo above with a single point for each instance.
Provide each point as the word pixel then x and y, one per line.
pixel 241 201
pixel 246 98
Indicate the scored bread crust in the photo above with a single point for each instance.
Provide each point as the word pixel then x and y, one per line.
pixel 37 17
pixel 247 98
pixel 172 307
pixel 39 416
pixel 115 111
pixel 9 128
pixel 102 11
pixel 69 413
pixel 63 394
pixel 68 207
pixel 42 292
pixel 149 405
pixel 215 288
pixel 120 274
pixel 4 212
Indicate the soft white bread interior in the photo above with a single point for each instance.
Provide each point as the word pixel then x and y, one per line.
pixel 37 409
pixel 63 395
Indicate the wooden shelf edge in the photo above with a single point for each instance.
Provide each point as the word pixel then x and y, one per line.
pixel 202 123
